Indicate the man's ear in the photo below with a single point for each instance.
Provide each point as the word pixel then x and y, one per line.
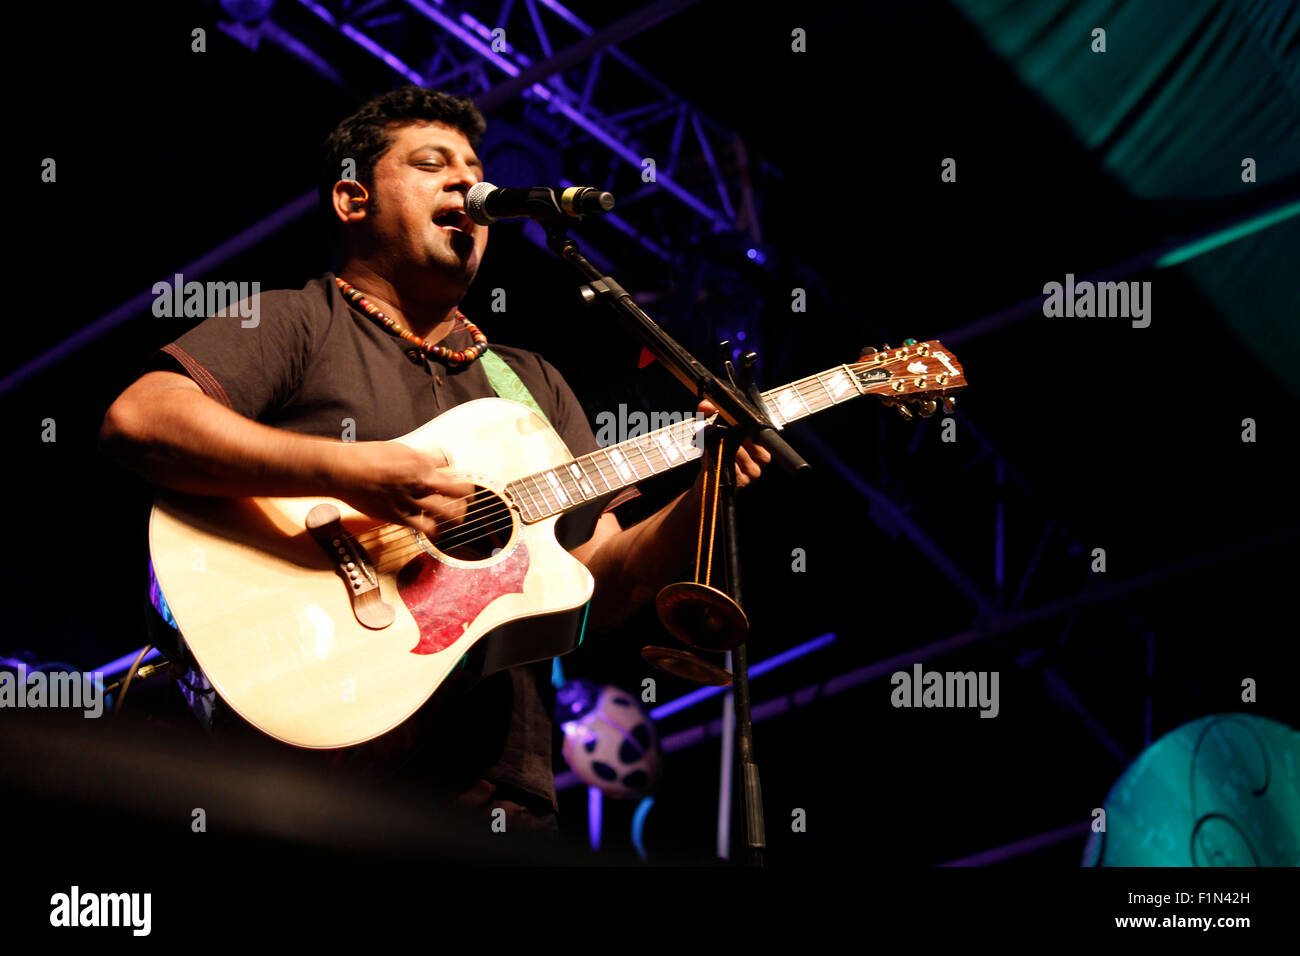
pixel 349 200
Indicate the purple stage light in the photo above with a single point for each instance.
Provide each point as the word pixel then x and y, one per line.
pixel 595 804
pixel 755 670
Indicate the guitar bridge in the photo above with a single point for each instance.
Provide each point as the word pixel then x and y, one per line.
pixel 352 564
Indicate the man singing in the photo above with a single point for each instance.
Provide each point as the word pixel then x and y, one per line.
pixel 233 410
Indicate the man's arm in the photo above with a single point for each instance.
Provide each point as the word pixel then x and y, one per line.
pixel 631 565
pixel 164 428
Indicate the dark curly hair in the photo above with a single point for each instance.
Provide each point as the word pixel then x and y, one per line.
pixel 366 135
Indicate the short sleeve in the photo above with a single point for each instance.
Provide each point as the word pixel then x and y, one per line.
pixel 572 424
pixel 250 358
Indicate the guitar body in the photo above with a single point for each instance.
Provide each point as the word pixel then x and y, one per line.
pixel 269 616
pixel 324 630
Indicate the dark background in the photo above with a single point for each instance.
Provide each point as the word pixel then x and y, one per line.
pixel 1127 439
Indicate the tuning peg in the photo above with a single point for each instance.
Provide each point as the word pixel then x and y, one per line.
pixel 866 352
pixel 927 408
pixel 904 411
pixel 909 341
pixel 949 403
pixel 887 347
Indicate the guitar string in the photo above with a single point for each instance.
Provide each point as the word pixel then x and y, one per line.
pixel 486 525
pixel 541 489
pixel 497 502
pixel 643 441
pixel 489 525
pixel 490 519
pixel 379 532
pixel 641 444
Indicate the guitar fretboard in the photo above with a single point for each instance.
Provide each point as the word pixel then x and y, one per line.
pixel 613 468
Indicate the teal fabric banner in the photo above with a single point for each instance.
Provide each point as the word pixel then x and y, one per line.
pixel 1189 101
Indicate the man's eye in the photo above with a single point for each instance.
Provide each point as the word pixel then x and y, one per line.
pixel 428 162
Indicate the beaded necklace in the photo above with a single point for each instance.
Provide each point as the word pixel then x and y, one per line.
pixel 450 356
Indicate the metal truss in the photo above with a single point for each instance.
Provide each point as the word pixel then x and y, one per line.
pixel 577 85
pixel 1001 610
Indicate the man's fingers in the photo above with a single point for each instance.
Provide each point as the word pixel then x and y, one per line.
pixel 444 507
pixel 441 486
pixel 431 521
pixel 422 522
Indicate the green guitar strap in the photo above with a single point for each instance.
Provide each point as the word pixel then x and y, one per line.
pixel 507 384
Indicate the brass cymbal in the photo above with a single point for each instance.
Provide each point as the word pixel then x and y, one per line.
pixel 686 665
pixel 702 616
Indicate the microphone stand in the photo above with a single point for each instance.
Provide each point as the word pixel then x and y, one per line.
pixel 740 417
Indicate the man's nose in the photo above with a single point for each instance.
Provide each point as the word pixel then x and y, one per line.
pixel 459 179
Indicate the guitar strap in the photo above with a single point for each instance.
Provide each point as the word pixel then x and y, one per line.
pixel 507 384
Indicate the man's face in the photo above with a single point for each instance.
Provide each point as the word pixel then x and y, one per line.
pixel 419 221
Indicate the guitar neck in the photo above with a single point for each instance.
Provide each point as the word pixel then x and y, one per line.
pixel 574 483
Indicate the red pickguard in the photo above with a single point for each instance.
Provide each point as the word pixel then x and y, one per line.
pixel 444 599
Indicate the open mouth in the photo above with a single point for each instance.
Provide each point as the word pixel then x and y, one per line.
pixel 456 220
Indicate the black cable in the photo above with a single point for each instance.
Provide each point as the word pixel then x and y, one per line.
pixel 117 708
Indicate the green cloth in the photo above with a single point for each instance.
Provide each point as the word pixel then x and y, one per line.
pixel 507 384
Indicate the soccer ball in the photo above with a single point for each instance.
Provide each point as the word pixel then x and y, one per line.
pixel 609 739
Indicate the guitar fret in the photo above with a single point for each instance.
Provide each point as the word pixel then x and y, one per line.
pixel 844 379
pixel 799 395
pixel 669 446
pixel 692 444
pixel 772 411
pixel 785 405
pixel 531 504
pixel 572 487
pixel 580 479
pixel 557 488
pixel 540 489
pixel 620 465
pixel 575 482
pixel 641 452
pixel 595 460
pixel 538 507
pixel 552 506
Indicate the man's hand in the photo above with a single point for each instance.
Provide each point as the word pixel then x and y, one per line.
pixel 390 481
pixel 750 458
pixel 630 565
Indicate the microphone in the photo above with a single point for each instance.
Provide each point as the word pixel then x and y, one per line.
pixel 485 203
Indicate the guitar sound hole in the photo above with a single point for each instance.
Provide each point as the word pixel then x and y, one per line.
pixel 487 526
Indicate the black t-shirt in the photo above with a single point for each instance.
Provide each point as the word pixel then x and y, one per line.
pixel 313 364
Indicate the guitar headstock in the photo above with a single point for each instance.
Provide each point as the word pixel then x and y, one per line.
pixel 922 374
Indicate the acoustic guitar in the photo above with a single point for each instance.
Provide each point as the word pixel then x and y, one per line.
pixel 325 630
